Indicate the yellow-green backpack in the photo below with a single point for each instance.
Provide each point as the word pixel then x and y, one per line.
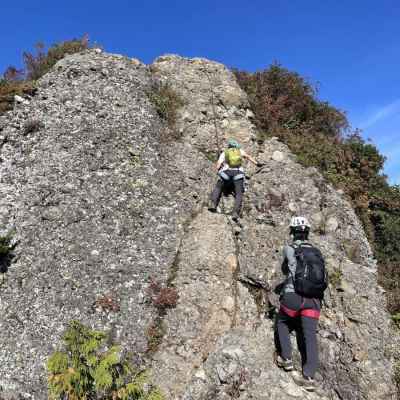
pixel 233 157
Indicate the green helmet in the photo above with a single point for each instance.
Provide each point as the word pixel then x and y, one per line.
pixel 233 143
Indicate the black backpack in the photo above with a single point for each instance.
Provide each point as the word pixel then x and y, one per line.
pixel 311 278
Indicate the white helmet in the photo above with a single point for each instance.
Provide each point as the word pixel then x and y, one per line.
pixel 299 222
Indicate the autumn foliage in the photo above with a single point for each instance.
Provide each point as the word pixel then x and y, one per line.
pixel 162 297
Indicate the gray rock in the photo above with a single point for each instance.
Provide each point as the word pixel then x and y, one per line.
pixel 100 206
pixel 89 219
pixel 332 224
pixel 278 156
pixel 20 99
pixel 274 194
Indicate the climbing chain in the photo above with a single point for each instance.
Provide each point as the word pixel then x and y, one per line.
pixel 219 149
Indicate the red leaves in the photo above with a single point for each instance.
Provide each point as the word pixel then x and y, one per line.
pixel 162 297
pixel 107 303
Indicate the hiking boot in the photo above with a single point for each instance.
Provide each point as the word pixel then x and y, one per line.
pixel 287 365
pixel 212 207
pixel 305 382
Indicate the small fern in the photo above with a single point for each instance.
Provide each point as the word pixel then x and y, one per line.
pixel 86 370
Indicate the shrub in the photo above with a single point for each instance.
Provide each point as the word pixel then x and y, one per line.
pixel 396 319
pixel 283 100
pixel 87 370
pixel 389 278
pixel 162 297
pixel 166 101
pixel 39 63
pixel 155 334
pixel 335 277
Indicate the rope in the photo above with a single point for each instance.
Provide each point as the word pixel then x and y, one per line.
pixel 219 149
pixel 230 222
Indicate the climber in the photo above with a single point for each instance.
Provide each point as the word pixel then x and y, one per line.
pixel 300 302
pixel 231 175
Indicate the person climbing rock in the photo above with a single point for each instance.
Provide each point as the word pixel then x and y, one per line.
pixel 231 176
pixel 300 302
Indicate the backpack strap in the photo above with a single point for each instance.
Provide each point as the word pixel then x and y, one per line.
pixel 298 251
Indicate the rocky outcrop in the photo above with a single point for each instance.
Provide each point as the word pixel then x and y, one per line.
pixel 97 207
pixel 239 361
pixel 102 201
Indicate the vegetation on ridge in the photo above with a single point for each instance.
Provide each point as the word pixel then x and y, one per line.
pixel 166 102
pixel 22 82
pixel 286 105
pixel 87 369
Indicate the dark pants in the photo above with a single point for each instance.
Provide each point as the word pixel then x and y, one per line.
pixel 304 324
pixel 235 185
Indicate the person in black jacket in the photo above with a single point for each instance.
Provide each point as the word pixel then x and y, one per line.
pixel 297 312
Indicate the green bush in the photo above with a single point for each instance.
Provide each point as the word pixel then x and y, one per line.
pixel 86 369
pixel 166 101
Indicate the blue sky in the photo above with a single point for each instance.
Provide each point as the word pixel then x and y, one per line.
pixel 351 48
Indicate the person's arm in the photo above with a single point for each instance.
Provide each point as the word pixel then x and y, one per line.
pixel 220 161
pixel 249 157
pixel 284 263
pixel 291 260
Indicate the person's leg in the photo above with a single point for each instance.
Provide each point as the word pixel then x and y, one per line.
pixel 300 343
pixel 283 344
pixel 238 186
pixel 216 194
pixel 286 321
pixel 309 328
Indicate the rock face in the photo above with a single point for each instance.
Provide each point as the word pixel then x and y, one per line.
pixel 97 208
pixel 101 202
